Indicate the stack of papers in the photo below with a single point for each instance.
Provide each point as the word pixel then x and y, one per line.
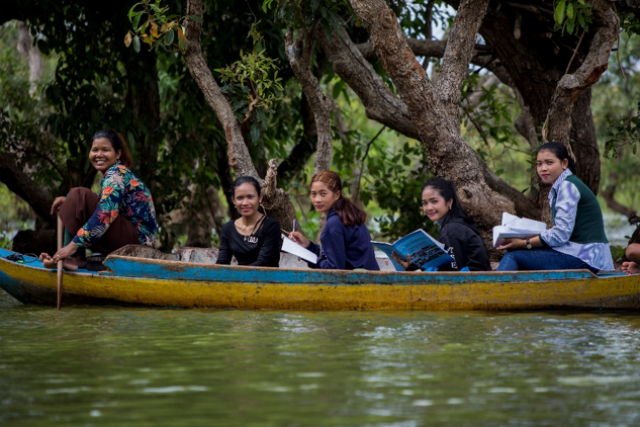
pixel 514 227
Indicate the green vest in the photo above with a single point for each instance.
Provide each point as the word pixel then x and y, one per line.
pixel 589 226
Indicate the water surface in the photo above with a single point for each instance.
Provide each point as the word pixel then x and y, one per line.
pixel 139 367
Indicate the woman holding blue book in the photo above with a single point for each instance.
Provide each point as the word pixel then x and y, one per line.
pixel 458 231
pixel 346 242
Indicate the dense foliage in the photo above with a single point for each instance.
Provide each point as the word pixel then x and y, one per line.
pixel 103 71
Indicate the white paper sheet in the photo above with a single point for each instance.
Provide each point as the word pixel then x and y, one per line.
pixel 293 248
pixel 514 227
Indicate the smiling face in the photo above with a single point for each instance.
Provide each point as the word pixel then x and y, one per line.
pixel 322 197
pixel 434 205
pixel 246 199
pixel 549 166
pixel 102 154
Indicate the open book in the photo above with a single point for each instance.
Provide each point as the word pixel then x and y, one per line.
pixel 425 251
pixel 516 227
pixel 292 247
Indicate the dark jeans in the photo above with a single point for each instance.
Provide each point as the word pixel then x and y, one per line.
pixel 541 259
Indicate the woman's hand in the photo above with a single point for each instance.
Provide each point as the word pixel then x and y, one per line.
pixel 65 252
pixel 404 264
pixel 57 203
pixel 299 238
pixel 512 244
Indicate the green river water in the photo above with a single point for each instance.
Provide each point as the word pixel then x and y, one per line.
pixel 145 367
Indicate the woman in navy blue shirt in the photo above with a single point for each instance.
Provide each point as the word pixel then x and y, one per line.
pixel 346 242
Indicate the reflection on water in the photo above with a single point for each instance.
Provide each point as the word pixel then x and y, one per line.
pixel 90 366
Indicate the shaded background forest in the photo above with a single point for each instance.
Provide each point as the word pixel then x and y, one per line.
pixel 87 79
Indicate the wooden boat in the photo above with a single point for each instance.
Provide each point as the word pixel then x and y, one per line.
pixel 145 277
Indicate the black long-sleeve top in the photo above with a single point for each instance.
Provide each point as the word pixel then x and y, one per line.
pixel 464 244
pixel 264 253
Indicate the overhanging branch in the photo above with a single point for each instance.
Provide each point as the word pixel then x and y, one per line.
pixel 239 157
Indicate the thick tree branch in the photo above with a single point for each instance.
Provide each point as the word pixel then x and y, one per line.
pixel 434 110
pixel 299 52
pixel 21 184
pixel 429 48
pixel 383 106
pixel 306 146
pixel 607 26
pixel 379 102
pixel 32 53
pixel 608 196
pixel 459 51
pixel 239 157
pixel 276 202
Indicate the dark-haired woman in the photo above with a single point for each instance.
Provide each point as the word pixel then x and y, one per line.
pixel 458 231
pixel 121 215
pixel 577 239
pixel 345 239
pixel 254 238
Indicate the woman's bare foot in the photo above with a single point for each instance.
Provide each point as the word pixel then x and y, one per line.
pixel 48 262
pixel 630 267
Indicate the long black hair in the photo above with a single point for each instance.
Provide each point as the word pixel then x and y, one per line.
pixel 447 190
pixel 118 144
pixel 560 151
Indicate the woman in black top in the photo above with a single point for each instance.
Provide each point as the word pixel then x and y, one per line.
pixel 254 238
pixel 458 231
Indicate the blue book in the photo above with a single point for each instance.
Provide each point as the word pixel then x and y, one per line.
pixel 425 251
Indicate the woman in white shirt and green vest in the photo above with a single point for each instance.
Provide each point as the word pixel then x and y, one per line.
pixel 577 239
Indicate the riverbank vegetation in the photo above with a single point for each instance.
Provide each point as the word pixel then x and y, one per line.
pixel 204 92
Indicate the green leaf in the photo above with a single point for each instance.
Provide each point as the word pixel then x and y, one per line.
pixel 131 11
pixel 559 13
pixel 168 38
pixel 635 148
pixel 196 18
pixel 136 21
pixel 255 133
pixel 266 5
pixel 136 44
pixel 570 14
pixel 581 21
pixel 570 25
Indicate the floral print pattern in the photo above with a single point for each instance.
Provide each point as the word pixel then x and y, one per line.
pixel 122 194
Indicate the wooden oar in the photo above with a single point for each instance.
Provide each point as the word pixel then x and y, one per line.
pixel 60 263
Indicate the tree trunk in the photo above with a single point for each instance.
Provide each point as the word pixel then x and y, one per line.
pixel 433 107
pixel 21 184
pixel 32 53
pixel 299 53
pixel 305 148
pixel 239 157
pixel 275 201
pixel 570 86
pixel 382 105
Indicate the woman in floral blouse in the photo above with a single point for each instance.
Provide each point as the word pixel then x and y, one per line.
pixel 121 215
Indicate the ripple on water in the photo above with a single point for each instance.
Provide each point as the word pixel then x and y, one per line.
pixel 85 366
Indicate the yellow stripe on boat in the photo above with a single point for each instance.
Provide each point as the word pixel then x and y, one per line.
pixel 40 285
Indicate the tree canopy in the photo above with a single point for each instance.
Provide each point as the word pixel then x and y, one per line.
pixel 205 91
